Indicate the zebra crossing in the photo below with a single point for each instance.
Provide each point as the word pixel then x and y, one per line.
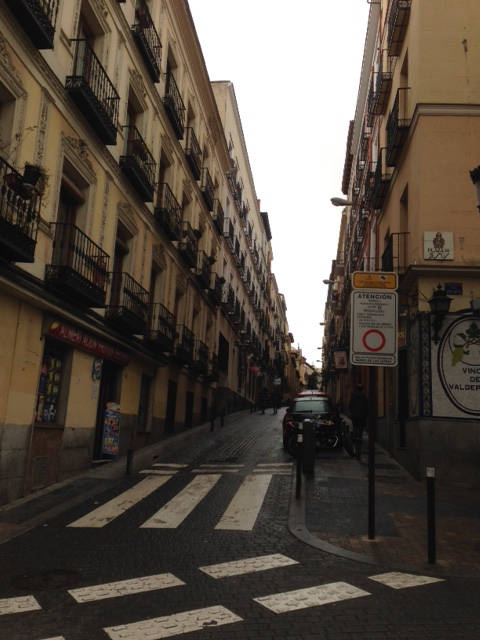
pixel 189 621
pixel 240 515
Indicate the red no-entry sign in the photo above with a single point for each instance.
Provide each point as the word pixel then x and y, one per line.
pixel 373 339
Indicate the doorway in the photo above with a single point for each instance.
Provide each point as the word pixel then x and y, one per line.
pixel 171 405
pixel 108 392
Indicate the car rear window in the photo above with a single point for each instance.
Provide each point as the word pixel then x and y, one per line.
pixel 312 405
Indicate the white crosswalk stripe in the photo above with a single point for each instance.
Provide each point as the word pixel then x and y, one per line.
pixel 398 580
pixel 110 510
pixel 55 638
pixel 174 512
pixel 18 605
pixel 173 625
pixel 248 565
pixel 310 597
pixel 125 587
pixel 245 506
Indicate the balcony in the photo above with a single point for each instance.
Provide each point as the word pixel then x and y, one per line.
pixel 228 299
pixel 161 336
pixel 383 85
pixel 207 189
pixel 128 308
pixel 138 164
pixel 193 153
pixel 235 315
pixel 184 345
pixel 37 18
pixel 188 245
pixel 204 269
pixel 200 358
pixel 174 107
pixel 19 212
pixel 378 183
pixel 168 212
pixel 394 257
pixel 147 40
pixel 229 233
pixel 397 25
pixel 79 267
pixel 213 374
pixel 93 93
pixel 236 252
pixel 216 288
pixel 397 128
pixel 218 216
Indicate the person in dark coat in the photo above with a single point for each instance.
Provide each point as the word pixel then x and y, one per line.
pixel 358 409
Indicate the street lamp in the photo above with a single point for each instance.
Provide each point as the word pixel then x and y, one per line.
pixel 328 281
pixel 439 307
pixel 341 202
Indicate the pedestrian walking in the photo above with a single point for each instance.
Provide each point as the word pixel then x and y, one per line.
pixel 358 409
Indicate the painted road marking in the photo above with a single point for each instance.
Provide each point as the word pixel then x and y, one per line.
pixel 178 508
pixel 248 565
pixel 398 580
pixel 216 470
pixel 18 605
pixel 113 508
pixel 56 638
pixel 243 510
pixel 169 465
pixel 174 625
pixel 310 597
pixel 125 587
pixel 157 472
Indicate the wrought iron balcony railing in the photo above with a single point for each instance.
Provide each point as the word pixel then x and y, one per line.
pixel 184 345
pixel 174 106
pixel 138 164
pixel 229 233
pixel 213 368
pixel 383 85
pixel 148 42
pixel 397 25
pixel 218 216
pixel 204 269
pixel 19 213
pixel 188 245
pixel 228 299
pixel 207 188
pixel 216 288
pixel 79 267
pixel 90 88
pixel 37 18
pixel 162 328
pixel 168 212
pixel 193 153
pixel 378 183
pixel 200 357
pixel 128 308
pixel 397 128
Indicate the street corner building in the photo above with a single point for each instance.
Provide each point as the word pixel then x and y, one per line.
pixel 136 290
pixel 410 180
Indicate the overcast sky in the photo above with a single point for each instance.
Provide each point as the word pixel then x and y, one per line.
pixel 295 67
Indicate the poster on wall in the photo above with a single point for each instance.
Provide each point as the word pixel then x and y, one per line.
pixel 457 369
pixel 111 429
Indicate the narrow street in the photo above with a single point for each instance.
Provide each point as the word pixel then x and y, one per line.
pixel 200 540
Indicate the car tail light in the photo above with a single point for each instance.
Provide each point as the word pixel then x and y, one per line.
pixel 290 422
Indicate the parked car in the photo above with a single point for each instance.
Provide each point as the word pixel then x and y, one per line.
pixel 326 421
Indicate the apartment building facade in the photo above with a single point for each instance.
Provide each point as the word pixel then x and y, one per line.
pixel 128 308
pixel 411 146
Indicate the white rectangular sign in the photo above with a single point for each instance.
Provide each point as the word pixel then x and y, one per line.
pixel 373 339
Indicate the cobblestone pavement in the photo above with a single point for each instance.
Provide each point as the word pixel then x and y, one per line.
pixel 196 544
pixel 337 513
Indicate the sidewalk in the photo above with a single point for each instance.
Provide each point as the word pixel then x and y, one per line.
pixel 332 514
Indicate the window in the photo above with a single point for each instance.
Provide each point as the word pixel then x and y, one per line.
pixel 51 401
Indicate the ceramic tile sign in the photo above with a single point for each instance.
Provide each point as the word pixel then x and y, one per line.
pixel 437 245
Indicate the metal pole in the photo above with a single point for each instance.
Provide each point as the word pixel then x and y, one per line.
pixel 372 422
pixel 431 514
pixel 298 486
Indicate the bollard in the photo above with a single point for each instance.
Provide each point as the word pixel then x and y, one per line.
pixel 431 514
pixel 128 470
pixel 298 486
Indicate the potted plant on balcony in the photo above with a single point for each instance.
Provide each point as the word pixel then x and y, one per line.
pixel 34 177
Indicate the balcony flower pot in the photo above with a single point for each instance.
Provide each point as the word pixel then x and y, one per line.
pixel 34 177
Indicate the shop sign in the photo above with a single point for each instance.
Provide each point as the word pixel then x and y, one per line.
pixel 459 364
pixel 111 429
pixel 374 280
pixel 86 342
